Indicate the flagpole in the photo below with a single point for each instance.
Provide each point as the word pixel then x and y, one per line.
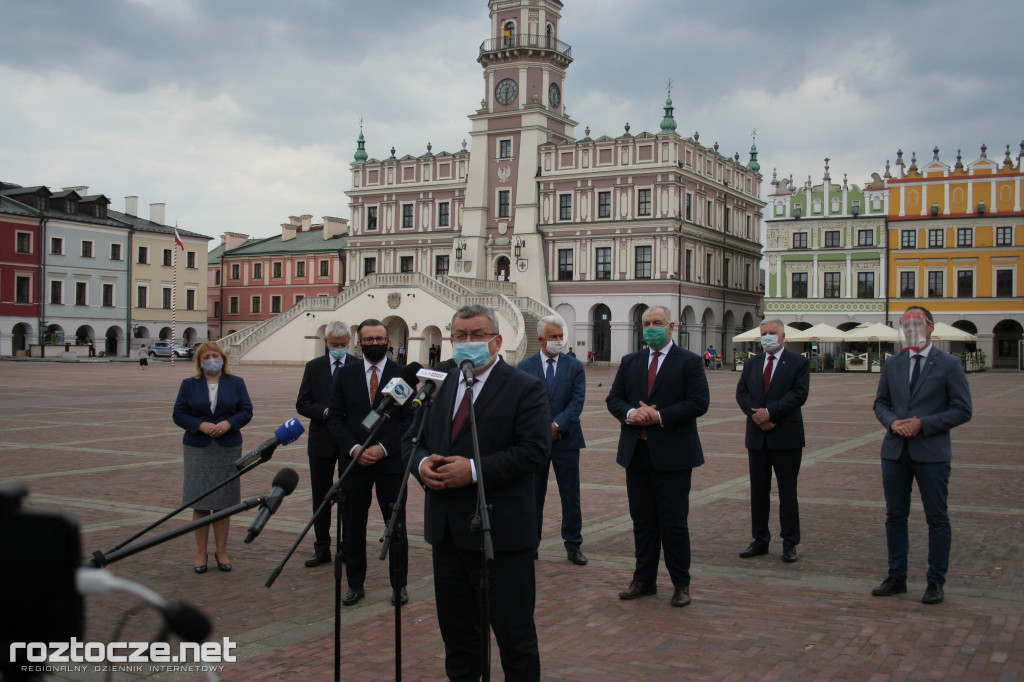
pixel 174 295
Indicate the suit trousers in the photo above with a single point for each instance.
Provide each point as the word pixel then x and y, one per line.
pixel 321 478
pixel 358 490
pixel 786 464
pixel 933 483
pixel 567 473
pixel 659 505
pixel 513 594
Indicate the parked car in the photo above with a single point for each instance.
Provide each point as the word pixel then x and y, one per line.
pixel 164 349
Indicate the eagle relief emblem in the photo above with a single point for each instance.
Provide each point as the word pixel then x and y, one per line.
pixel 394 299
pixel 504 173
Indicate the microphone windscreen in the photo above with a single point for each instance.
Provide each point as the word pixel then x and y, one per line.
pixel 409 374
pixel 286 479
pixel 289 431
pixel 187 622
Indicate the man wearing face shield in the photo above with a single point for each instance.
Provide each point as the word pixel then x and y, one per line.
pixel 922 394
pixel 771 391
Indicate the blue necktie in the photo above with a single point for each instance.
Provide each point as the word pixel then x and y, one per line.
pixel 916 372
pixel 550 376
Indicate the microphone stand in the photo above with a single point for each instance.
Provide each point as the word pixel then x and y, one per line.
pixel 333 496
pixel 480 522
pixel 395 522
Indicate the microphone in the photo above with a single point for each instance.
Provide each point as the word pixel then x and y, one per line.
pixel 283 434
pixel 433 381
pixel 396 392
pixel 284 484
pixel 467 371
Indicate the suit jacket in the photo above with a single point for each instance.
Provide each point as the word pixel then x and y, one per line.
pixel 349 405
pixel 565 399
pixel 314 396
pixel 680 393
pixel 941 400
pixel 786 395
pixel 192 408
pixel 514 431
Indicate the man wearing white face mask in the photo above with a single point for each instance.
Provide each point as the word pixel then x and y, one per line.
pixel 771 391
pixel 567 389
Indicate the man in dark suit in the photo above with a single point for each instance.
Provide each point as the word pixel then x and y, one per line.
pixel 514 436
pixel 658 394
pixel 922 394
pixel 358 388
pixel 567 389
pixel 314 394
pixel 771 391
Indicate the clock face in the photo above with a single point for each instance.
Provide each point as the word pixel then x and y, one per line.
pixel 554 95
pixel 506 92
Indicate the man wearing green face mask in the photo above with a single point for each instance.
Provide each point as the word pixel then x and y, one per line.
pixel 657 395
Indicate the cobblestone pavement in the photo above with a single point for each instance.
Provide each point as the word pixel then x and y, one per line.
pixel 96 441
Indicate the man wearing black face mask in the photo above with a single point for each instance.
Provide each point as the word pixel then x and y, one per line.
pixel 358 388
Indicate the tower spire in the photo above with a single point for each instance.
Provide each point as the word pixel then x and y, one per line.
pixel 360 156
pixel 668 124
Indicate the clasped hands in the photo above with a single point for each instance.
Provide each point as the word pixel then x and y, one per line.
pixel 371 455
pixel 215 430
pixel 438 472
pixel 762 419
pixel 908 428
pixel 645 415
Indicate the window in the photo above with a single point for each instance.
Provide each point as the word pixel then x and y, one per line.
pixel 1004 236
pixel 23 242
pixel 216 309
pixel 275 304
pixel 56 292
pixel 81 293
pixel 504 149
pixel 405 264
pixel 964 283
pixel 115 252
pixel 300 269
pixel 325 268
pixel 407 215
pixel 832 285
pixel 728 219
pixel 865 285
pixel 799 285
pixel 707 268
pixel 935 240
pixel 143 255
pixel 190 299
pixel 235 270
pixel 1004 283
pixel 440 265
pixel 56 246
pixel 257 270
pixel 443 214
pixel 689 265
pixel 216 276
pixel 935 288
pixel 603 263
pixel 299 297
pixel 503 203
pixel 689 206
pixel 22 289
pixel 908 239
pixel 643 202
pixel 190 259
pixel 709 216
pixel 831 238
pixel 276 269
pixel 167 257
pixel 746 277
pixel 908 285
pixel 108 295
pixel 565 207
pixel 564 265
pixel 142 297
pixel 369 266
pixel 643 262
pixel 865 237
pixel 799 240
pixel 748 228
pixel 233 305
pixel 964 236
pixel 166 298
pixel 254 305
pixel 371 218
pixel 604 204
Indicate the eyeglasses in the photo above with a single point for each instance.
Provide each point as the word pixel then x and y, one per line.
pixel 459 337
pixel 373 340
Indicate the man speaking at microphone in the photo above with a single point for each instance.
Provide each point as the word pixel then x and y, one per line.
pixel 514 435
pixel 358 388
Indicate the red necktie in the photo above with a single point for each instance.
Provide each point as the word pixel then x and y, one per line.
pixel 652 372
pixel 460 415
pixel 767 379
pixel 373 383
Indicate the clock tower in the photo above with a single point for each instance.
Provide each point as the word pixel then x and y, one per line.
pixel 524 64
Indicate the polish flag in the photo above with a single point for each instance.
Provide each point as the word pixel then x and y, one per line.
pixel 177 240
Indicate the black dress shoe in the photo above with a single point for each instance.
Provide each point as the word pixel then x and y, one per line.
pixel 199 569
pixel 403 596
pixel 318 560
pixel 223 567
pixel 638 589
pixel 890 586
pixel 755 548
pixel 789 555
pixel 353 596
pixel 932 595
pixel 576 556
pixel 681 596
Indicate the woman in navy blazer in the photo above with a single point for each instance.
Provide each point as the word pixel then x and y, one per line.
pixel 212 407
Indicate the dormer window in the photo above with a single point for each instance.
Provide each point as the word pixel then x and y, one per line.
pixel 72 207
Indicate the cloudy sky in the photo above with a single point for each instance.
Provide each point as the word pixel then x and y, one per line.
pixel 240 113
